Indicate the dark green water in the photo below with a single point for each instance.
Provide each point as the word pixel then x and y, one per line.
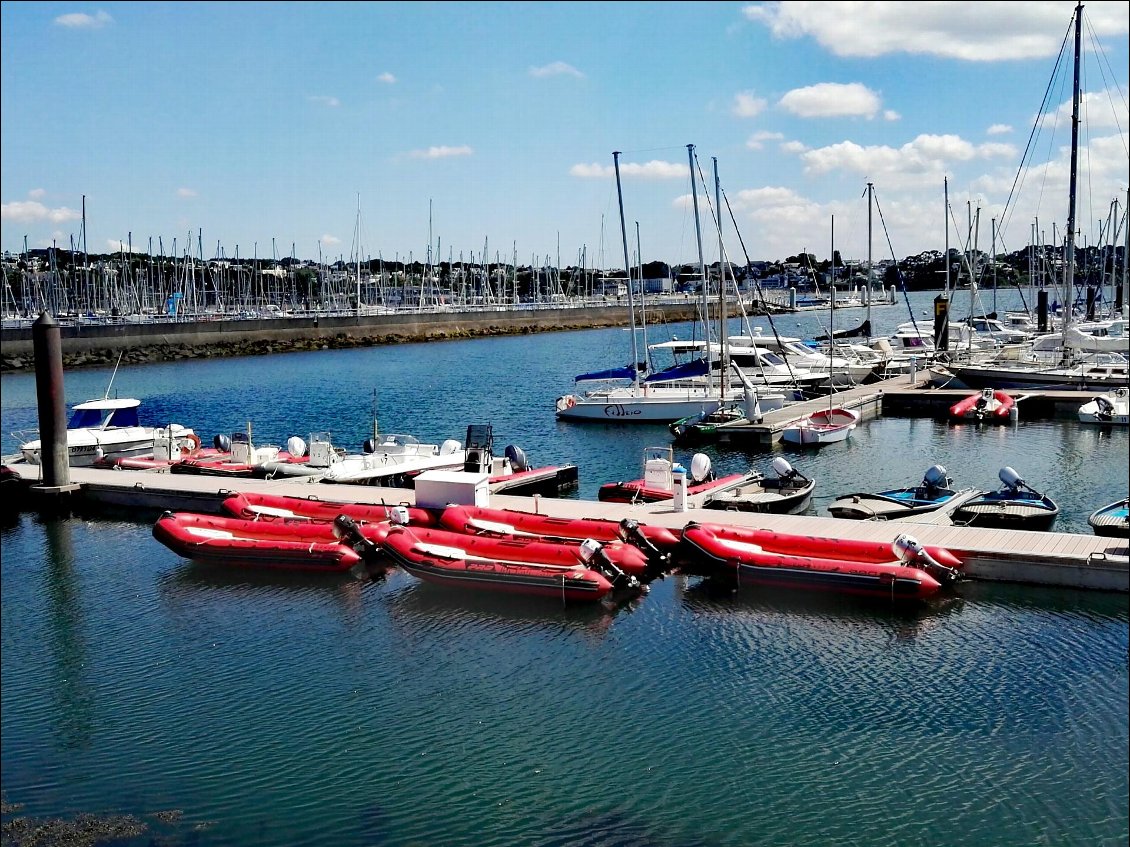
pixel 279 709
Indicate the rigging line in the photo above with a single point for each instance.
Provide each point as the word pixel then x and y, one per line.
pixel 898 270
pixel 758 289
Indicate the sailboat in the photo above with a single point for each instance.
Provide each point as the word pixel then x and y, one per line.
pixel 1081 366
pixel 830 425
pixel 678 392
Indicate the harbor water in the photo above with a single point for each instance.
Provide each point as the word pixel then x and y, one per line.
pixel 215 706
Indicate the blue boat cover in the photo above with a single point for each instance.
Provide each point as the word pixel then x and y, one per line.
pixel 626 372
pixel 697 367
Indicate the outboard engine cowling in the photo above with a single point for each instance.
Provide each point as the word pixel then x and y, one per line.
pixel 370 446
pixel 700 467
pixel 516 457
pixel 935 477
pixel 592 554
pixel 222 443
pixel 1010 478
pixel 782 468
pixel 908 551
pixel 296 446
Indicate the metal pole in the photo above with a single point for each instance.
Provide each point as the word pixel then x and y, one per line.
pixel 48 349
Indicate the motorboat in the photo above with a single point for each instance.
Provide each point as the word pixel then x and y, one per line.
pixel 461 566
pixel 985 406
pixel 1112 520
pixel 511 472
pixel 786 492
pixel 393 460
pixel 1015 505
pixel 903 570
pixel 660 472
pixel 106 428
pixel 1110 408
pixel 931 494
pixel 824 426
pixel 237 456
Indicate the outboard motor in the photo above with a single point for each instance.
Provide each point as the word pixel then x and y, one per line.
pixel 783 469
pixel 398 515
pixel 369 447
pixel 631 533
pixel 593 555
pixel 345 529
pixel 517 458
pixel 1105 408
pixel 700 467
pixel 1011 478
pixel 908 551
pixel 222 443
pixel 936 478
pixel 295 446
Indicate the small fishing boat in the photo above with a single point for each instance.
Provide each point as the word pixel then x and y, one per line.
pixel 106 428
pixel 825 426
pixel 985 406
pixel 1015 505
pixel 1111 408
pixel 458 566
pixel 928 496
pixel 1112 520
pixel 907 572
pixel 281 545
pixel 659 473
pixel 788 492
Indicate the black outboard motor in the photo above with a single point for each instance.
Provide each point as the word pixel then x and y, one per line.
pixel 593 555
pixel 222 443
pixel 345 529
pixel 657 560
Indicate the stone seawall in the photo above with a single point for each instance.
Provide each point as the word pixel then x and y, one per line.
pixel 89 345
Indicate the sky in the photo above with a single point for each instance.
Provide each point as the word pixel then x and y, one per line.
pixel 458 131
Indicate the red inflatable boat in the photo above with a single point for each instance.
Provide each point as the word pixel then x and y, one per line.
pixel 270 506
pixel 458 566
pixel 985 405
pixel 748 562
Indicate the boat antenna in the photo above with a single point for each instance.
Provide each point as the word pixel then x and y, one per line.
pixel 106 396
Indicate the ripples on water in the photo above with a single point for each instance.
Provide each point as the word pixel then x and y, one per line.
pixel 284 709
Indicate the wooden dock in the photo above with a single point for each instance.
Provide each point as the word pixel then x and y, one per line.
pixel 1038 558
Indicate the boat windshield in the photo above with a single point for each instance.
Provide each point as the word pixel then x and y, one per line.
pixel 103 418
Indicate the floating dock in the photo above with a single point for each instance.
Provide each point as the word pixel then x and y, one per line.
pixel 1036 558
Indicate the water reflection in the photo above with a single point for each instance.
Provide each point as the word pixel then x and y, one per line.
pixel 72 706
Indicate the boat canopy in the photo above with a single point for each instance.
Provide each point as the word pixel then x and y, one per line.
pixel 626 372
pixel 103 414
pixel 695 367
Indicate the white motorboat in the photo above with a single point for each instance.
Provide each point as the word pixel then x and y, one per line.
pixel 105 429
pixel 393 460
pixel 826 426
pixel 1113 407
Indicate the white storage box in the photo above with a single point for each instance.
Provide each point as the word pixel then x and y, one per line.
pixel 436 489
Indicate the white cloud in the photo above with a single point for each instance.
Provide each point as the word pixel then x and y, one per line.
pixel 556 69
pixel 387 78
pixel 646 170
pixel 116 245
pixel 998 129
pixel 30 211
pixel 441 152
pixel 746 105
pixel 831 99
pixel 36 193
pixel 81 20
pixel 758 139
pixel 891 115
pixel 186 192
pixel 332 102
pixel 330 240
pixel 1104 110
pixel 973 32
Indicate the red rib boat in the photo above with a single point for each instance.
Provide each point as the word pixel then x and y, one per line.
pixel 748 562
pixel 658 481
pixel 457 566
pixel 987 405
pixel 268 506
pixel 280 544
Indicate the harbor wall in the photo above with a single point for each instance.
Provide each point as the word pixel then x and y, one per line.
pixel 93 344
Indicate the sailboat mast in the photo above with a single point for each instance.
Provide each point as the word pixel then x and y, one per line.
pixel 870 186
pixel 1069 282
pixel 701 266
pixel 723 333
pixel 628 271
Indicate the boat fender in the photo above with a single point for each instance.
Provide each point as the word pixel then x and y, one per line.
pixel 190 444
pixel 912 554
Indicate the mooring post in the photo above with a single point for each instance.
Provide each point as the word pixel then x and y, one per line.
pixel 53 458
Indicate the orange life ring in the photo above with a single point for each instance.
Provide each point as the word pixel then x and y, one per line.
pixel 570 401
pixel 190 444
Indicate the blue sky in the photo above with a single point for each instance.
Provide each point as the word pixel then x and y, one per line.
pixel 261 128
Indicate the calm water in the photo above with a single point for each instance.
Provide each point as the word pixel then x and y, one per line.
pixel 273 709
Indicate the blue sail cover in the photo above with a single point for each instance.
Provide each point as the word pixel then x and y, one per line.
pixel 626 372
pixel 696 367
